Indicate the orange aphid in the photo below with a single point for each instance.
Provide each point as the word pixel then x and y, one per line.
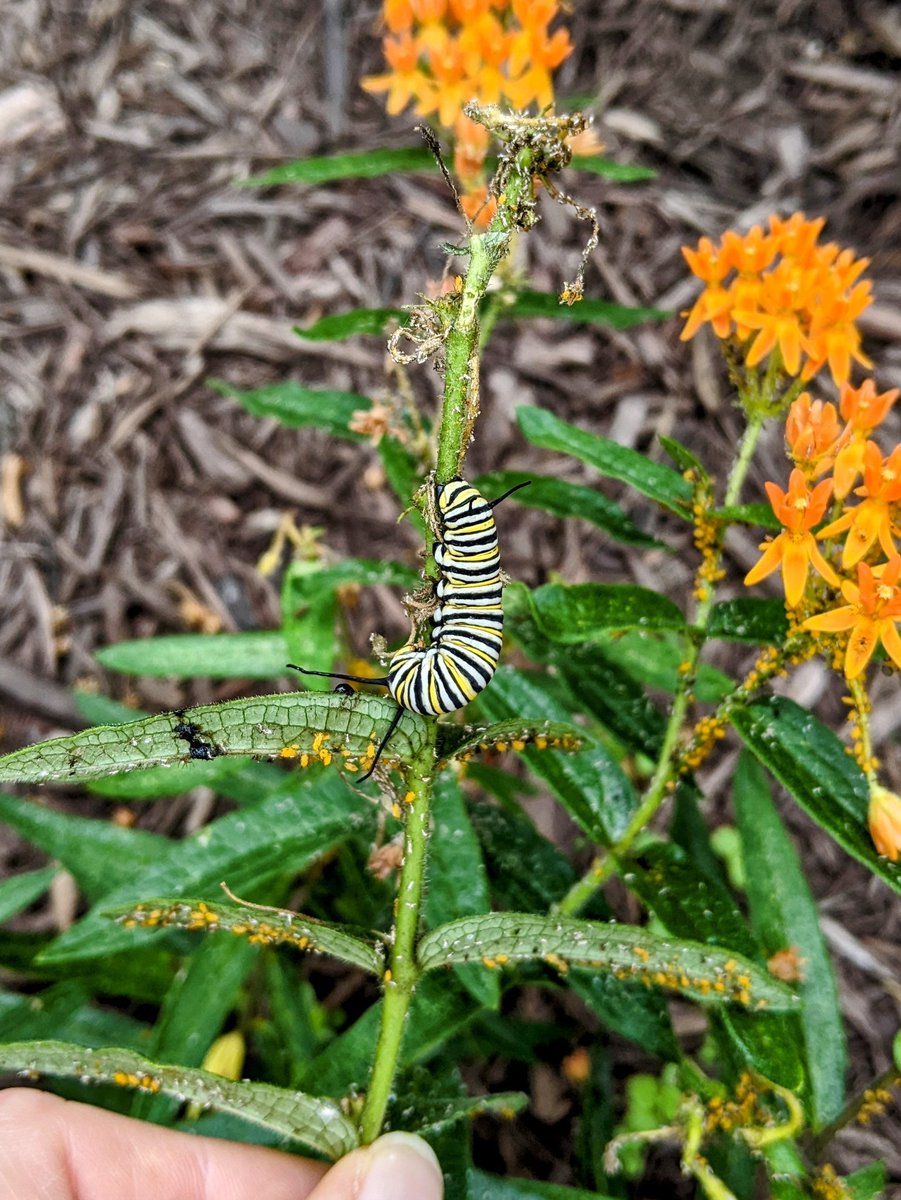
pixel 871 614
pixel 795 549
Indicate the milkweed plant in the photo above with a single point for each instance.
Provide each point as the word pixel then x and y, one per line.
pixel 386 901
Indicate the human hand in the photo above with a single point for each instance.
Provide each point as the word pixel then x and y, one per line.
pixel 54 1149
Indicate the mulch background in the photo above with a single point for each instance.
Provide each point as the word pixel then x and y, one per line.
pixel 132 269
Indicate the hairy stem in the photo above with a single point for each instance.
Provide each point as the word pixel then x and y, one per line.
pixel 403 973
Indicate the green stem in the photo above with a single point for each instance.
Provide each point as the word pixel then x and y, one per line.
pixel 403 973
pixel 659 787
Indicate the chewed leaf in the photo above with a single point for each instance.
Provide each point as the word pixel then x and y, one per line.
pixel 317 1122
pixel 705 973
pixel 465 741
pixel 305 727
pixel 268 927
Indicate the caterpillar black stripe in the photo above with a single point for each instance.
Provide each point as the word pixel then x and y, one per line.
pixel 467 624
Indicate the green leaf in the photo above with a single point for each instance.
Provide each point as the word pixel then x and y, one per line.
pixel 340 326
pixel 361 164
pixel 481 1186
pixel 99 854
pixel 287 725
pixel 458 882
pixel 251 655
pixel 21 890
pixel 816 769
pixel 618 172
pixel 439 1009
pixel 279 837
pixel 748 619
pixel 749 514
pixel 299 407
pixel 261 926
pixel 867 1183
pixel 590 784
pixel 603 689
pixel 683 457
pixel 142 976
pixel 586 312
pixel 573 613
pixel 318 1123
pixel 403 472
pixel 657 482
pixel 654 659
pixel 463 741
pixel 785 917
pixel 629 1009
pixel 163 781
pixel 525 869
pixel 566 500
pixel 65 1011
pixel 193 1013
pixel 705 973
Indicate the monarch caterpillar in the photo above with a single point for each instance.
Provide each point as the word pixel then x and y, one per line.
pixel 467 624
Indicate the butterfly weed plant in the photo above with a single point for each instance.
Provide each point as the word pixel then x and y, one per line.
pixel 412 858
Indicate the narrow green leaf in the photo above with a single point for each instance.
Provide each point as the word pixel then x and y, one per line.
pixel 463 741
pixel 572 613
pixel 65 1010
pixel 403 472
pixel 99 854
pixel 340 326
pixel 361 164
pixel 590 784
pixel 196 1006
pixel 292 726
pixel 526 870
pixel 816 769
pixel 458 882
pixel 250 655
pixel 21 890
pixel 439 1010
pixel 609 693
pixel 153 782
pixel 143 976
pixel 683 457
pixel 586 312
pixel 566 500
pixel 867 1183
pixel 654 658
pixel 279 837
pixel 749 619
pixel 618 172
pixel 629 1009
pixel 705 973
pixel 657 482
pixel 298 407
pixel 785 918
pixel 749 514
pixel 265 927
pixel 318 1123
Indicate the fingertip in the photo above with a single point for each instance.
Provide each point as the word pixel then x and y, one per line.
pixel 398 1166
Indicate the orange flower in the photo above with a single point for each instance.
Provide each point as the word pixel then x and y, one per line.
pixel 871 614
pixel 884 820
pixel 789 294
pixel 812 434
pixel 795 549
pixel 444 53
pixel 872 519
pixel 863 410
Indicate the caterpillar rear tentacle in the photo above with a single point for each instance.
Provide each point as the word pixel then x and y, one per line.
pixel 467 624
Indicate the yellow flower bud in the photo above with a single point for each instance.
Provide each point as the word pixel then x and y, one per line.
pixel 884 819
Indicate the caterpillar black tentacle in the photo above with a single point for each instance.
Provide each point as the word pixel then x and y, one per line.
pixel 467 624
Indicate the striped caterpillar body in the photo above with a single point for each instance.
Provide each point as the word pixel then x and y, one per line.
pixel 467 624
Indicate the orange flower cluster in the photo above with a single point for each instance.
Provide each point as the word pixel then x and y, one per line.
pixel 444 53
pixel 781 291
pixel 817 442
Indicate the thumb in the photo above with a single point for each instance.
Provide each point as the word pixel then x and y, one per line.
pixel 398 1166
